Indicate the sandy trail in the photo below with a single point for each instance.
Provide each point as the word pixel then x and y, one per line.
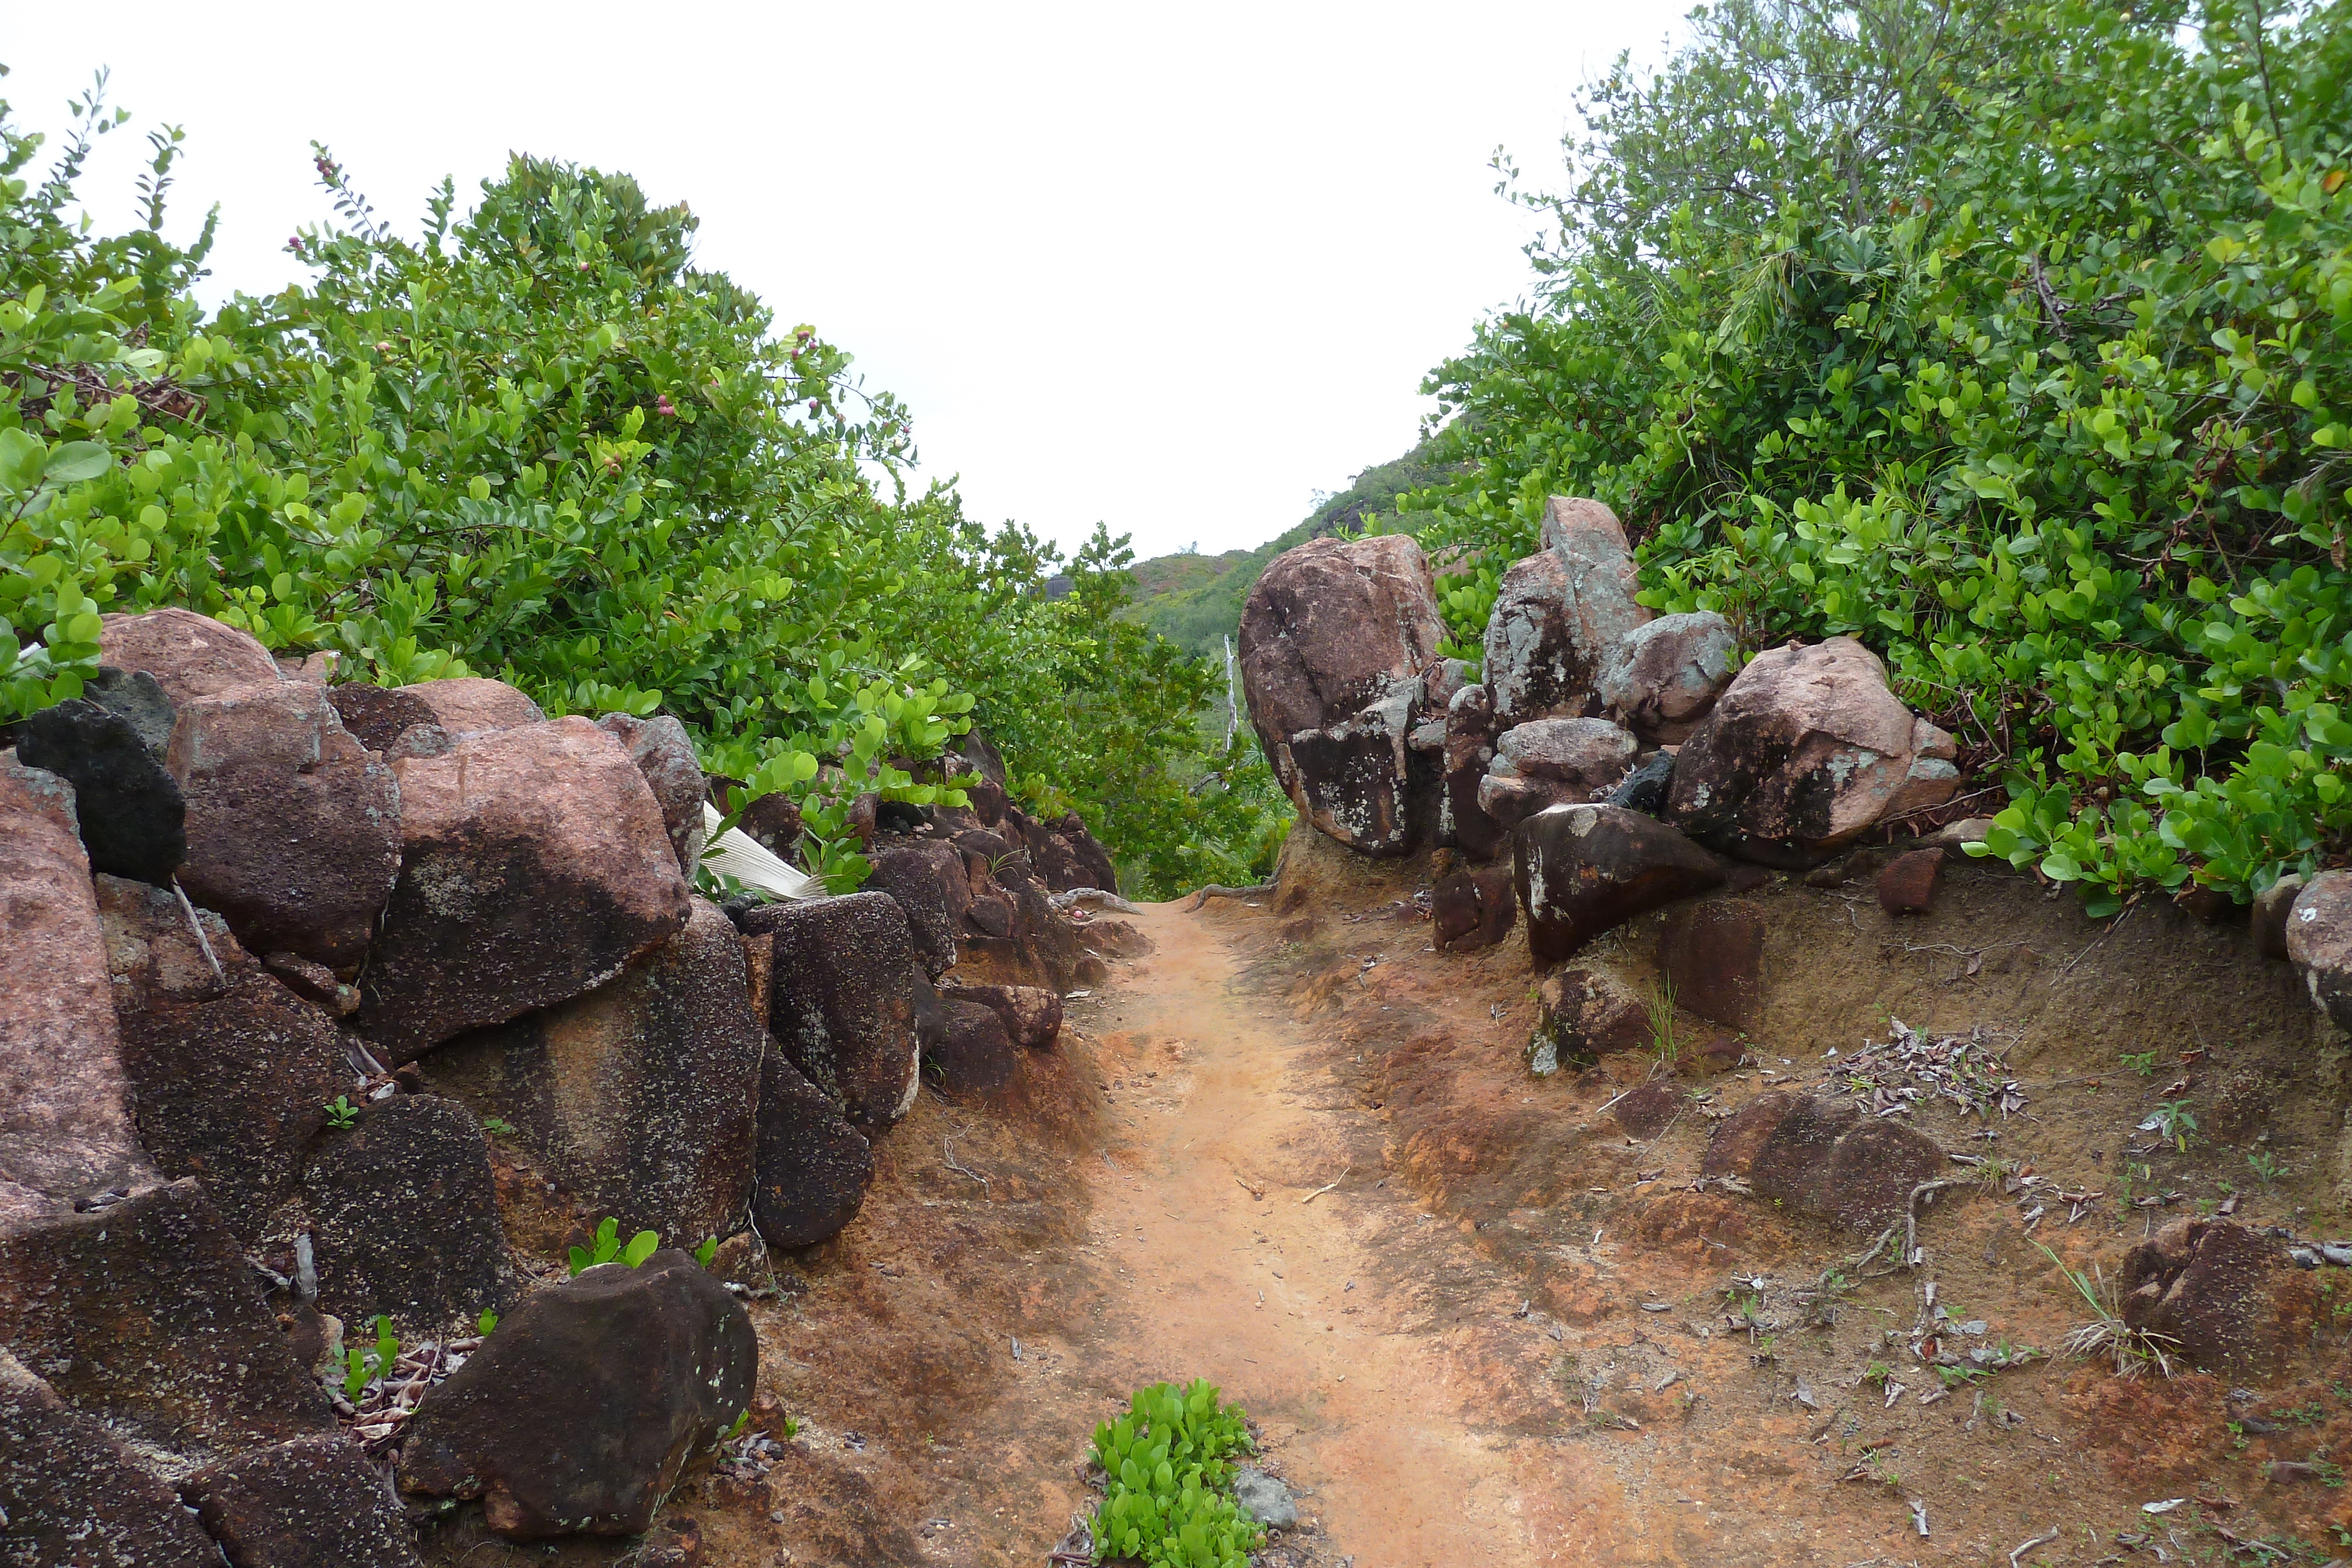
pixel 1286 1300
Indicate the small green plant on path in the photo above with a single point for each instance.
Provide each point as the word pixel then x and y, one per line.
pixel 607 1247
pixel 2265 1167
pixel 342 1114
pixel 365 1364
pixel 2173 1122
pixel 1169 1494
pixel 1663 1040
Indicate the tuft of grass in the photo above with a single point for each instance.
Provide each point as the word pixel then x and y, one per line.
pixel 1664 1040
pixel 2132 1350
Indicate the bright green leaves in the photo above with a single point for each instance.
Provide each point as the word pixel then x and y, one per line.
pixel 1168 1499
pixel 606 1245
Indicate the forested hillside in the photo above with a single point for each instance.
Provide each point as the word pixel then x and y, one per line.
pixel 2014 338
pixel 540 444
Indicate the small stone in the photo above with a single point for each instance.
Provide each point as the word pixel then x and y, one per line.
pixel 1647 1110
pixel 1712 953
pixel 1582 1015
pixel 2226 1296
pixel 1907 884
pixel 1472 908
pixel 812 1166
pixel 1031 1014
pixel 1469 747
pixel 975 1055
pixel 1263 1499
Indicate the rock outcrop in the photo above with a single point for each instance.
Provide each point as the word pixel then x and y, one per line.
pixel 1712 955
pixel 1031 1014
pixel 1661 678
pixel 1472 908
pixel 843 1002
pixel 2319 943
pixel 1805 752
pixel 1582 869
pixel 534 866
pixel 579 1414
pixel 974 1054
pixel 1554 762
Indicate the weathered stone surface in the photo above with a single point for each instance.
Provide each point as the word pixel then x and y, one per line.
pixel 1907 883
pixel 144 1315
pixel 1647 1110
pixel 1712 953
pixel 1824 1159
pixel 577 1417
pixel 1472 908
pixel 844 1007
pixel 1662 677
pixel 133 821
pixel 64 1106
pixel 1332 627
pixel 1470 734
pixel 1580 870
pixel 1113 939
pixel 640 1098
pixel 664 754
pixel 315 1502
pixel 2267 918
pixel 974 1054
pixel 230 1076
pixel 140 698
pixel 928 880
pixel 72 1495
pixel 2223 1294
pixel 406 1217
pixel 1805 751
pixel 1349 779
pixel 812 1166
pixel 1554 762
pixel 1031 1014
pixel 534 866
pixel 1645 789
pixel 383 719
pixel 1559 614
pixel 189 656
pixel 2319 943
pixel 293 827
pixel 1582 1015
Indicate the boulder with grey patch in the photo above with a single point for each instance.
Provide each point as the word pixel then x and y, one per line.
pixel 1582 869
pixel 1661 678
pixel 1470 734
pixel 1554 762
pixel 1582 1015
pixel 133 819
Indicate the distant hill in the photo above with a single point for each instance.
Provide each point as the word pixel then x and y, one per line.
pixel 1195 600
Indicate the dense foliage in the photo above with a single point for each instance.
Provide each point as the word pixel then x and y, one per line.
pixel 2010 335
pixel 1168 1484
pixel 538 444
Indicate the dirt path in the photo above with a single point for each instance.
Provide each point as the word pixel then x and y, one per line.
pixel 1230 1264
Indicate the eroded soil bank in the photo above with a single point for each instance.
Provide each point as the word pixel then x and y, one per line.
pixel 1297 1151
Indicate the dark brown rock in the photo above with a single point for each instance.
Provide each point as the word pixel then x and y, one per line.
pixel 1470 734
pixel 1031 1014
pixel 1582 869
pixel 1093 863
pixel 229 1077
pixel 315 1502
pixel 1348 779
pixel 65 1105
pixel 1712 953
pixel 1647 1110
pixel 133 821
pixel 189 656
pixel 293 827
pixel 1472 908
pixel 1823 1158
pixel 928 880
pixel 974 1054
pixel 1866 1182
pixel 1332 627
pixel 534 866
pixel 843 1007
pixel 579 1414
pixel 1907 884
pixel 640 1098
pixel 72 1495
pixel 2267 915
pixel 2224 1296
pixel 664 754
pixel 1553 762
pixel 2319 943
pixel 1114 938
pixel 144 1315
pixel 406 1217
pixel 463 705
pixel 1582 1015
pixel 1805 752
pixel 812 1166
pixel 313 982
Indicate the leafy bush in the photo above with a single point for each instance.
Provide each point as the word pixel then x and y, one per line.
pixel 2010 338
pixel 1168 1499
pixel 538 444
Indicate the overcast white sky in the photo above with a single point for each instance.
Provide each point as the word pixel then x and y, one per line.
pixel 1172 268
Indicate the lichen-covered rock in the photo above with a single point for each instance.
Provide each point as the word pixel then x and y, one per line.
pixel 1472 908
pixel 664 754
pixel 842 1003
pixel 2319 943
pixel 293 827
pixel 1554 762
pixel 315 1502
pixel 1332 627
pixel 2223 1295
pixel 1031 1014
pixel 1470 734
pixel 133 820
pixel 72 1495
pixel 189 656
pixel 1712 953
pixel 1662 677
pixel 1559 613
pixel 928 880
pixel 1804 753
pixel 1582 869
pixel 1349 779
pixel 230 1075
pixel 974 1054
pixel 146 1315
pixel 65 1104
pixel 534 866
pixel 579 1414
pixel 811 1165
pixel 640 1098
pixel 1582 1015
pixel 406 1217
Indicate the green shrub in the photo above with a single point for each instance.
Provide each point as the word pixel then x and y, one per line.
pixel 2008 338
pixel 1168 1498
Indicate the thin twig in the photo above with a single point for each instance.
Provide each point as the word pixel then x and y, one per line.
pixel 1218 889
pixel 2044 1539
pixel 1319 1191
pixel 1911 1217
pixel 947 1151
pixel 220 977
